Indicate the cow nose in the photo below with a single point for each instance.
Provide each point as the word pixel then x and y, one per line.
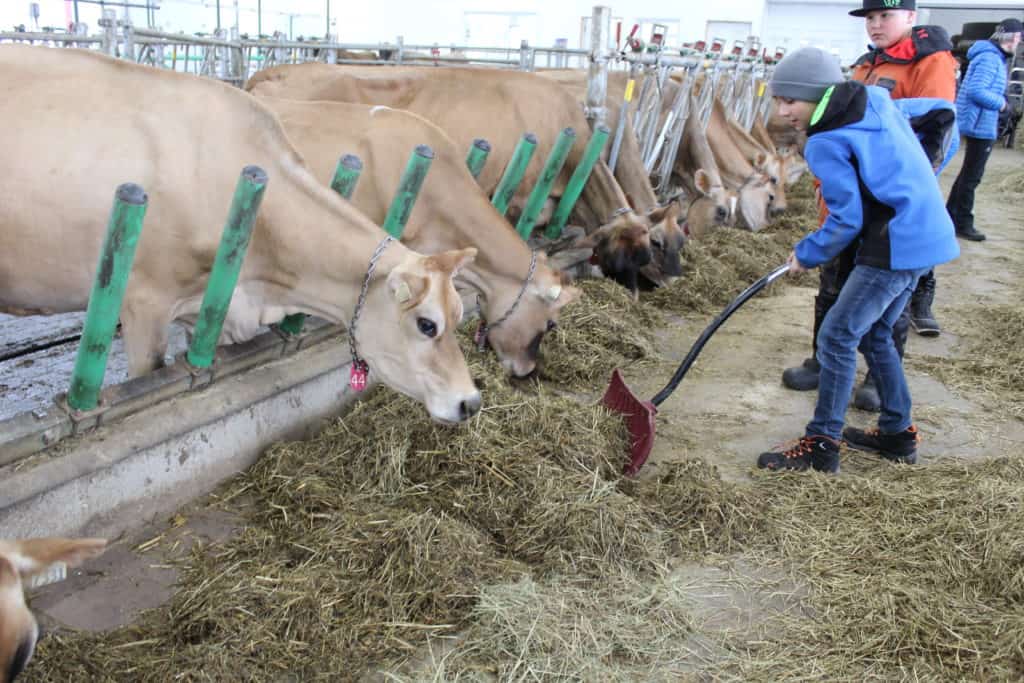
pixel 778 212
pixel 469 407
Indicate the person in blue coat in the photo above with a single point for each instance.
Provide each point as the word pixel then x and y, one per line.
pixel 882 194
pixel 982 96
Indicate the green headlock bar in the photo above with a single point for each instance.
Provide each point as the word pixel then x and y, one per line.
pixel 107 293
pixel 477 156
pixel 539 193
pixel 513 174
pixel 579 178
pixel 346 175
pixel 408 188
pixel 234 242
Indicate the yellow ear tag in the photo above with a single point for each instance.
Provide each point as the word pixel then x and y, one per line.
pixel 402 294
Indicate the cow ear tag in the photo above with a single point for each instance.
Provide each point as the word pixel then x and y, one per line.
pixel 553 293
pixel 357 375
pixel 402 294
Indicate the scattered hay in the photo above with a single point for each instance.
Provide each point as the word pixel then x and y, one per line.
pixel 604 330
pixel 993 366
pixel 724 263
pixel 703 513
pixel 626 628
pixel 1012 183
pixel 914 573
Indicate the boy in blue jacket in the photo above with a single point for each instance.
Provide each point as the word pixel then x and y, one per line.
pixel 982 96
pixel 880 190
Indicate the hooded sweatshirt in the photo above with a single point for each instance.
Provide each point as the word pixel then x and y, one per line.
pixel 877 183
pixel 982 92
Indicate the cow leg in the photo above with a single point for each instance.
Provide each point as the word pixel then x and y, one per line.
pixel 144 331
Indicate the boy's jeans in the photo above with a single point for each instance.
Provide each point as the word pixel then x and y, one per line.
pixel 869 304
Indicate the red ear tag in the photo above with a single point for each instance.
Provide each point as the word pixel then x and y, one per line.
pixel 480 337
pixel 357 375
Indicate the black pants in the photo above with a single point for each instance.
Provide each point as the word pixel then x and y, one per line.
pixel 960 204
pixel 831 279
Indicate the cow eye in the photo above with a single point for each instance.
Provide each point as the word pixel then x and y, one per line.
pixel 427 327
pixel 551 325
pixel 775 181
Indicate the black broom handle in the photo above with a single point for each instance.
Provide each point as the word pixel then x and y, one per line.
pixel 695 350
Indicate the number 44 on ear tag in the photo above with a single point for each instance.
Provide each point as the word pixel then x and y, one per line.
pixel 357 375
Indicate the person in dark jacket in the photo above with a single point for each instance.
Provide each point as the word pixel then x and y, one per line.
pixel 882 194
pixel 981 98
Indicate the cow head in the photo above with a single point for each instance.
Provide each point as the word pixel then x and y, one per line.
pixel 622 246
pixel 755 198
pixel 517 339
pixel 770 165
pixel 714 205
pixel 793 166
pixel 22 560
pixel 667 239
pixel 407 335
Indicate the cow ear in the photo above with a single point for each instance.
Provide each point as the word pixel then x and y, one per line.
pixel 703 181
pixel 406 288
pixel 631 201
pixel 35 555
pixel 760 160
pixel 566 296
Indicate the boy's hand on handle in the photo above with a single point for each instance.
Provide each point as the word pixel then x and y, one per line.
pixel 794 265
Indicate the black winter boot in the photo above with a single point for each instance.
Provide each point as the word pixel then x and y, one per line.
pixel 921 318
pixel 819 452
pixel 804 377
pixel 900 447
pixel 866 397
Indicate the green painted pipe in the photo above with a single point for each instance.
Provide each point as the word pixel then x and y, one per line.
pixel 539 193
pixel 408 188
pixel 346 175
pixel 108 288
pixel 513 174
pixel 579 178
pixel 478 156
pixel 227 264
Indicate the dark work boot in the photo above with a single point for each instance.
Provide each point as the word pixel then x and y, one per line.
pixel 866 397
pixel 921 318
pixel 970 234
pixel 819 452
pixel 803 377
pixel 900 447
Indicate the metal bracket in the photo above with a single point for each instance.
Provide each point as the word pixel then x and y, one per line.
pixel 201 377
pixel 82 421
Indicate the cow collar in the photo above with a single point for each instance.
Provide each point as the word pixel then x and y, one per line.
pixel 483 328
pixel 360 369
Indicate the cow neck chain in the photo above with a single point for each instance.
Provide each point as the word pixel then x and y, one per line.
pixel 617 213
pixel 358 362
pixel 485 328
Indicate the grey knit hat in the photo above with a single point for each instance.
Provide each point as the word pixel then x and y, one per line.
pixel 805 75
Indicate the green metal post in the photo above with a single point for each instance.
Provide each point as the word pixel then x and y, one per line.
pixel 408 188
pixel 478 156
pixel 346 175
pixel 539 193
pixel 226 265
pixel 108 288
pixel 579 178
pixel 513 174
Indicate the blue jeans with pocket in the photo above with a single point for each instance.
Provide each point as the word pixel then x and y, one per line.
pixel 863 316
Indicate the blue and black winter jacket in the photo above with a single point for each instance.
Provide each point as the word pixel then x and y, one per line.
pixel 933 121
pixel 982 93
pixel 877 183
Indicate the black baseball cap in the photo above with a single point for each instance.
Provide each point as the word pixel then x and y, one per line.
pixel 1010 25
pixel 873 5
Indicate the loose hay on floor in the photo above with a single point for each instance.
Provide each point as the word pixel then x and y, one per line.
pixel 914 573
pixel 627 628
pixel 1013 183
pixel 993 363
pixel 605 329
